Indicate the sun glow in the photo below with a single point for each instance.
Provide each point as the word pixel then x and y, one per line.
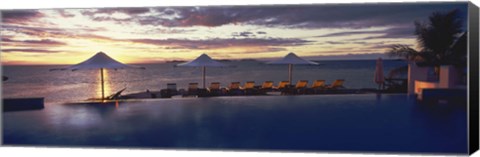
pixel 106 85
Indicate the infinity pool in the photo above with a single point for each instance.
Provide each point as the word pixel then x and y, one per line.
pixel 366 123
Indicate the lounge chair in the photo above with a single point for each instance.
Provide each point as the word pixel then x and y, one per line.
pixel 234 89
pixel 318 86
pixel 301 87
pixel 266 87
pixel 249 88
pixel 192 89
pixel 337 84
pixel 282 85
pixel 116 95
pixel 214 89
pixel 170 91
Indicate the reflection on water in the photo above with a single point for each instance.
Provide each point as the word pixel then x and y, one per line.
pixel 106 84
pixel 392 123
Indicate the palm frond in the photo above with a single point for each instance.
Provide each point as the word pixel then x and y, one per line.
pixel 403 51
pixel 435 38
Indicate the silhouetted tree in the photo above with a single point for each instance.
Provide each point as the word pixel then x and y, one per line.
pixel 437 41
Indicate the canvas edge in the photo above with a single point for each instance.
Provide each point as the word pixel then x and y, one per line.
pixel 473 107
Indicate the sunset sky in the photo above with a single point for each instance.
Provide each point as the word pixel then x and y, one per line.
pixel 156 34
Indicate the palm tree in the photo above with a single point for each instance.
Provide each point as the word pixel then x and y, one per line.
pixel 436 39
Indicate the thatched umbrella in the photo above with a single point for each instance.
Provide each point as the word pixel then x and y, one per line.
pixel 100 61
pixel 378 76
pixel 292 59
pixel 203 61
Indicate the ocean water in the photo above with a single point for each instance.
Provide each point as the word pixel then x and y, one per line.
pixel 66 86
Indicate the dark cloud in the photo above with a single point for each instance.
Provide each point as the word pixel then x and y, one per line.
pixel 131 11
pixel 195 16
pixel 93 37
pixel 104 14
pixel 396 32
pixel 89 28
pixel 350 33
pixel 210 16
pixel 39 32
pixel 219 43
pixel 44 32
pixel 380 44
pixel 243 34
pixel 64 14
pixel 261 32
pixel 29 51
pixel 385 46
pixel 254 51
pixel 43 42
pixel 214 43
pixel 167 31
pixel 360 42
pixel 110 11
pixel 297 16
pixel 20 16
pixel 276 49
pixel 367 56
pixel 335 42
pixel 109 18
pixel 289 16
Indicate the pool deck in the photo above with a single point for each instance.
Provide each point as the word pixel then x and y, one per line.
pixel 158 94
pixel 21 104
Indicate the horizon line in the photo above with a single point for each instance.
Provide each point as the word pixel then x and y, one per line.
pixel 163 62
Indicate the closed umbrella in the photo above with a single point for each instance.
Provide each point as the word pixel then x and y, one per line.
pixel 378 76
pixel 100 61
pixel 203 61
pixel 291 59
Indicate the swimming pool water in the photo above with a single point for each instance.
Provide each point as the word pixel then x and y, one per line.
pixel 369 122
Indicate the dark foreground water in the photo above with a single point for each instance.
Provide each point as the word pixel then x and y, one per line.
pixel 372 123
